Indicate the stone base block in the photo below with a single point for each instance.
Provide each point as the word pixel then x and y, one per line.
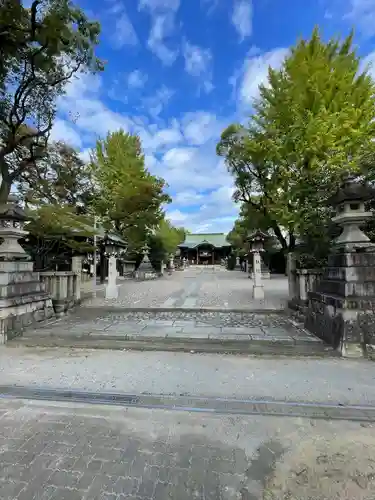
pixel 61 306
pixel 14 320
pixel 145 275
pixel 111 292
pixel 264 274
pixel 258 292
pixel 347 330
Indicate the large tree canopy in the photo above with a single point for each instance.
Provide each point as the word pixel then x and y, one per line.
pixel 128 196
pixel 313 121
pixel 41 49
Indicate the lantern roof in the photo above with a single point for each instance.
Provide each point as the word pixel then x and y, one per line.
pixel 351 189
pixel 12 211
pixel 258 235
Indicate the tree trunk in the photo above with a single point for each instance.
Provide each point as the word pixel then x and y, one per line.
pixel 103 264
pixel 292 242
pixel 5 187
pixel 279 236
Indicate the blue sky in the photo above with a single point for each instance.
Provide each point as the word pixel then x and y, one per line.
pixel 179 71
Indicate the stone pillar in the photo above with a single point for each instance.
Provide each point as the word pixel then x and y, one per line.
pixel 111 290
pixel 171 263
pixel 291 265
pixel 238 264
pixel 77 268
pixel 258 290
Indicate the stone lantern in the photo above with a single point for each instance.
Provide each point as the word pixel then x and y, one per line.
pixel 344 300
pixel 12 219
pixel 256 248
pixel 349 202
pixel 145 270
pixel 24 299
pixel 256 240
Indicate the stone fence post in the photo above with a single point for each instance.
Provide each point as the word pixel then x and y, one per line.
pixel 64 288
pixel 77 268
pixel 291 266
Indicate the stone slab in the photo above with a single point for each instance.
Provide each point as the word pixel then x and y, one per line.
pixel 162 331
pixel 240 330
pixel 238 338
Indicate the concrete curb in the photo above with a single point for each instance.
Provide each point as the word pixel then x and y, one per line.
pixel 364 413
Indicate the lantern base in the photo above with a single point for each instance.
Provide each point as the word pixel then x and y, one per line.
pixel 258 292
pixel 23 299
pixel 10 249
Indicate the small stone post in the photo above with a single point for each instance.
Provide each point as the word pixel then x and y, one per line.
pixel 111 290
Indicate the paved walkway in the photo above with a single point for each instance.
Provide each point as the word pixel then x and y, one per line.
pixel 199 288
pixel 81 452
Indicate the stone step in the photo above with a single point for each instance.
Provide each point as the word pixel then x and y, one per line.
pixel 179 330
pixel 177 344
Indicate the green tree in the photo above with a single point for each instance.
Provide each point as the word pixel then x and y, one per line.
pixel 128 197
pixel 165 240
pixel 56 232
pixel 41 49
pixel 313 122
pixel 61 178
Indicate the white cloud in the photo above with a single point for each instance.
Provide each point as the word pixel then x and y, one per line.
pixel 216 212
pixel 182 151
pixel 210 5
pixel 155 104
pixel 62 131
pixel 368 64
pixel 85 155
pixel 124 32
pixel 255 72
pixel 362 14
pixel 162 27
pixel 200 127
pixel 242 17
pixel 159 5
pixel 121 30
pixel 198 64
pixel 137 79
pixel 197 59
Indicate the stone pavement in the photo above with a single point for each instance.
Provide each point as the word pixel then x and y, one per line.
pixel 205 331
pixel 198 288
pixel 82 452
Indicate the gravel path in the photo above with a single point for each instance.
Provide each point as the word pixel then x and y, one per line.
pixel 198 288
pixel 211 375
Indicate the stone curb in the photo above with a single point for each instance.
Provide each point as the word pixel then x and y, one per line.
pixel 178 344
pixel 107 308
pixel 364 413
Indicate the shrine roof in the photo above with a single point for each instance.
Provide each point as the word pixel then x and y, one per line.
pixel 217 240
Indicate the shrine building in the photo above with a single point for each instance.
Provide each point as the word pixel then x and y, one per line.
pixel 205 248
